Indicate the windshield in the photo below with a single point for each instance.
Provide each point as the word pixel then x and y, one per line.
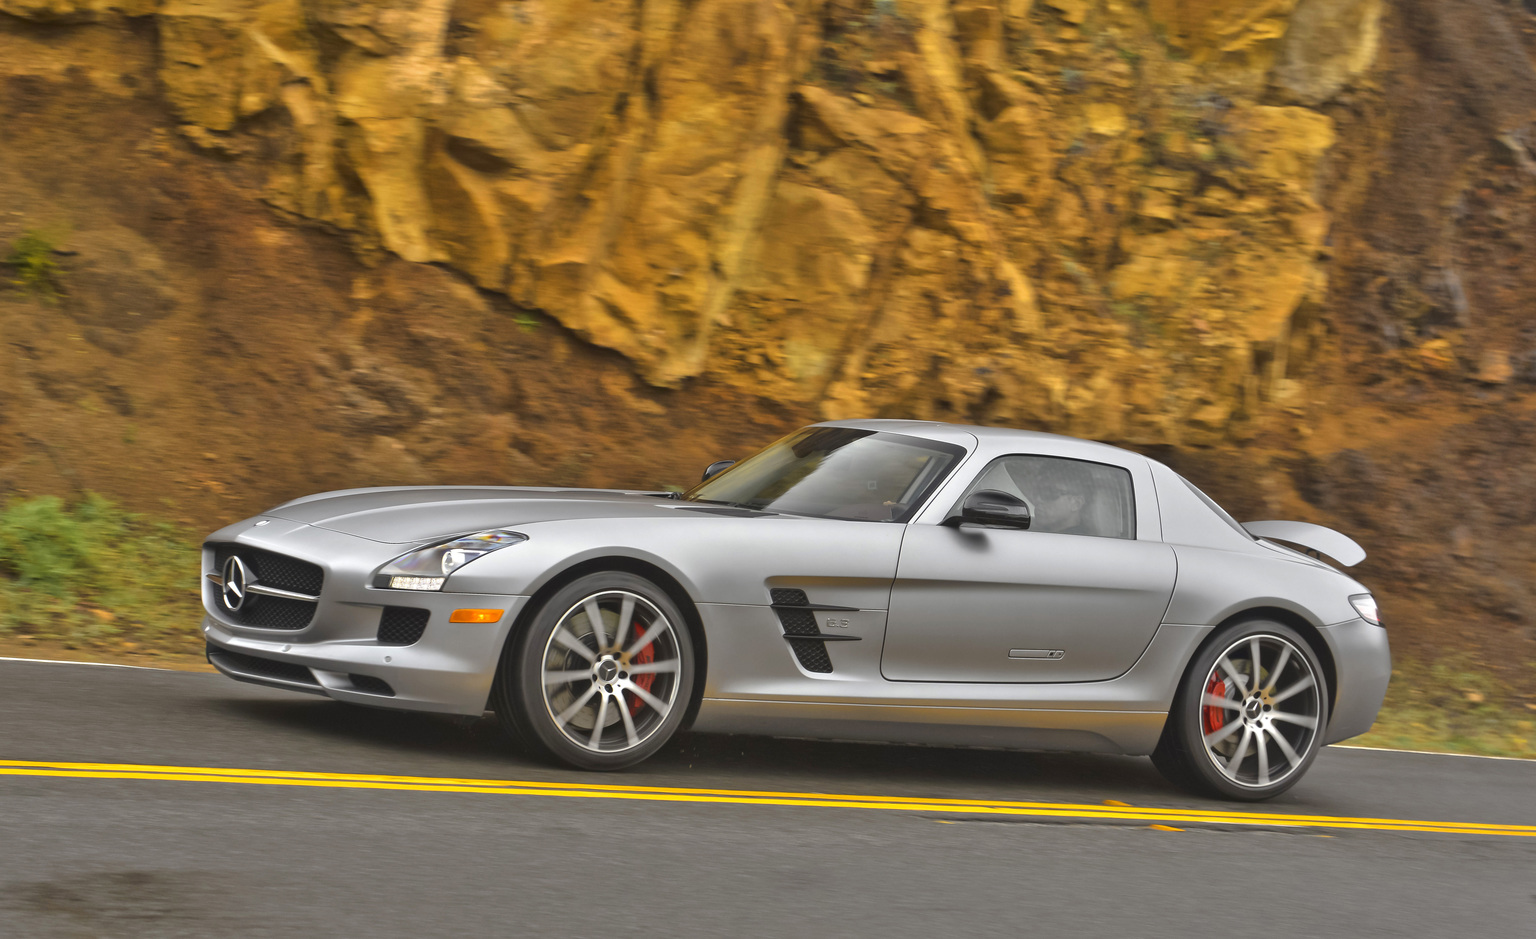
pixel 835 472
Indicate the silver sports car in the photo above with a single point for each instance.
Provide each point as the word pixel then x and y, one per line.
pixel 878 580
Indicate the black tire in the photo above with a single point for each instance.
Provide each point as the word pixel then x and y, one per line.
pixel 612 716
pixel 1199 748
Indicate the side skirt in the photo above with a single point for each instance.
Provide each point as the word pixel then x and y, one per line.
pixel 1095 731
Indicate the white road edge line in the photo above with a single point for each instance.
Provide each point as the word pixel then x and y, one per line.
pixel 1336 746
pixel 142 668
pixel 1470 756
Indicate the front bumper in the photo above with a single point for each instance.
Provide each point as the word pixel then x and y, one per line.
pixel 1362 662
pixel 338 654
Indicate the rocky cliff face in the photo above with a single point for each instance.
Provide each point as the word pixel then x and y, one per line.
pixel 1282 243
pixel 1002 210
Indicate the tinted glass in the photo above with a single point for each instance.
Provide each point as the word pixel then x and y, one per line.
pixel 835 472
pixel 1066 497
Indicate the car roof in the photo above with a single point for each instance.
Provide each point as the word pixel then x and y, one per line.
pixel 989 437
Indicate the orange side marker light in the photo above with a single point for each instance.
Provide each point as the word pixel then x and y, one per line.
pixel 475 616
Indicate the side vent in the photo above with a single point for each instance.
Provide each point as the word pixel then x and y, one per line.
pixel 788 596
pixel 812 654
pixel 402 625
pixel 799 622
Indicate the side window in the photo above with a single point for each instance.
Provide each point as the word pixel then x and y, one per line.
pixel 1067 497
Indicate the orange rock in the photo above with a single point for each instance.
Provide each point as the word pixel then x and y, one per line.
pixel 866 211
pixel 1495 368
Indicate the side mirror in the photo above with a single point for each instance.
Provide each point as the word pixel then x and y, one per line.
pixel 992 507
pixel 716 467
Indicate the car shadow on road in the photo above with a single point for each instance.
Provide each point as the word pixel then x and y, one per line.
pixel 389 741
pixel 355 729
pixel 908 770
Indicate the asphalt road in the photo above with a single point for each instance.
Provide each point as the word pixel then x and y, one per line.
pixel 84 852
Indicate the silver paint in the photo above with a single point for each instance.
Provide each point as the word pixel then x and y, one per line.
pixel 938 611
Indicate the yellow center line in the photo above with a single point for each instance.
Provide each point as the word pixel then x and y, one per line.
pixel 575 790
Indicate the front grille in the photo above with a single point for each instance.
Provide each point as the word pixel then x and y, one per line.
pixel 368 684
pixel 260 668
pixel 271 569
pixel 402 625
pixel 273 612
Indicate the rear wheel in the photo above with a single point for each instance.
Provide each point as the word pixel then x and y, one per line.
pixel 1249 716
pixel 602 676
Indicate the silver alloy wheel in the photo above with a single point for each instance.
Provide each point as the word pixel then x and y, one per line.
pixel 1259 710
pixel 610 671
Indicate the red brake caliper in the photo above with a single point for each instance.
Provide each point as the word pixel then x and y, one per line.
pixel 648 654
pixel 1213 718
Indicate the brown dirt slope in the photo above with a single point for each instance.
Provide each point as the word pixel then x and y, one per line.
pixel 1283 245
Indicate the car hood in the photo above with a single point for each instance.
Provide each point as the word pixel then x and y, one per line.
pixel 410 515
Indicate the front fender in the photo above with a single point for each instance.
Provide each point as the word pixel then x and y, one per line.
pixel 523 569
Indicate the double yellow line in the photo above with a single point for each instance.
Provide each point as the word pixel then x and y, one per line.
pixel 1067 811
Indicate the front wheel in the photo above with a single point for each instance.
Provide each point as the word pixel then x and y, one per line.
pixel 601 678
pixel 1249 715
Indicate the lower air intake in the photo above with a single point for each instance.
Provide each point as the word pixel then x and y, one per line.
pixel 368 684
pixel 402 625
pixel 260 668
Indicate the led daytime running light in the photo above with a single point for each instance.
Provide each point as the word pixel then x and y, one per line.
pixel 428 568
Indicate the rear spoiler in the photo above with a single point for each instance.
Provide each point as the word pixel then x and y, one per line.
pixel 1341 548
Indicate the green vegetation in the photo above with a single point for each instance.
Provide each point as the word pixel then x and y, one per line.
pixel 35 270
pixel 1455 706
pixel 91 575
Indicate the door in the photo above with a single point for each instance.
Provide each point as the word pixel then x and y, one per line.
pixel 1075 598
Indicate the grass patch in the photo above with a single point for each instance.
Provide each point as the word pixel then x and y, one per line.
pixel 35 271
pixel 90 575
pixel 1452 706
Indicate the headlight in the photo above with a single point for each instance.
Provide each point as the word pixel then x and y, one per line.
pixel 427 568
pixel 1365 605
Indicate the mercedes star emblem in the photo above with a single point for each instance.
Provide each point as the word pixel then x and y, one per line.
pixel 236 578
